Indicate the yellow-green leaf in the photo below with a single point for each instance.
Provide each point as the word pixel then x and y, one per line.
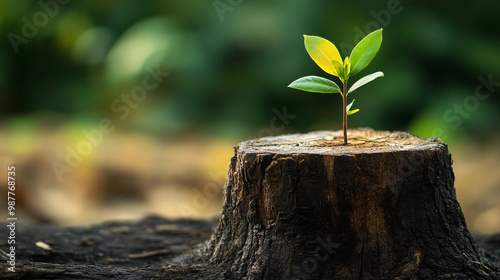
pixel 347 67
pixel 339 68
pixel 352 112
pixel 323 52
pixel 348 109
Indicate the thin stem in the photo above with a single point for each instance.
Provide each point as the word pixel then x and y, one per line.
pixel 344 112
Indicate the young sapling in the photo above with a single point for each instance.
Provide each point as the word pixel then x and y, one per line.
pixel 328 58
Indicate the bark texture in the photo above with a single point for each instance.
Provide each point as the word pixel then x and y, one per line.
pixel 305 206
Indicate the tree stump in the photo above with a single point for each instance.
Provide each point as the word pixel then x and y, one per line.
pixel 304 206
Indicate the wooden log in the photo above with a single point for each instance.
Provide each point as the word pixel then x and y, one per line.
pixel 304 206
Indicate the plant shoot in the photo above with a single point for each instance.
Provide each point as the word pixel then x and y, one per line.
pixel 328 58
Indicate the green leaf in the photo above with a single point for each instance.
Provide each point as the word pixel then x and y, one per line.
pixel 365 51
pixel 315 84
pixel 348 109
pixel 323 52
pixel 340 69
pixel 366 79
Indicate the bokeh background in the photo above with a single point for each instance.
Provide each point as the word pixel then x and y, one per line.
pixel 114 109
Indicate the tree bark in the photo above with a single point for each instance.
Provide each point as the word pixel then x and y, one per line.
pixel 305 206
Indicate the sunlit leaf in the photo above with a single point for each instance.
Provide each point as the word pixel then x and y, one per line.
pixel 315 84
pixel 348 108
pixel 365 51
pixel 323 52
pixel 340 69
pixel 352 112
pixel 347 67
pixel 366 79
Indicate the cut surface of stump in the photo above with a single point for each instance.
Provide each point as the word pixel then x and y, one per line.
pixel 305 206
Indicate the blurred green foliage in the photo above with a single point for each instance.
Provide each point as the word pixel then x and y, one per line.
pixel 227 75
